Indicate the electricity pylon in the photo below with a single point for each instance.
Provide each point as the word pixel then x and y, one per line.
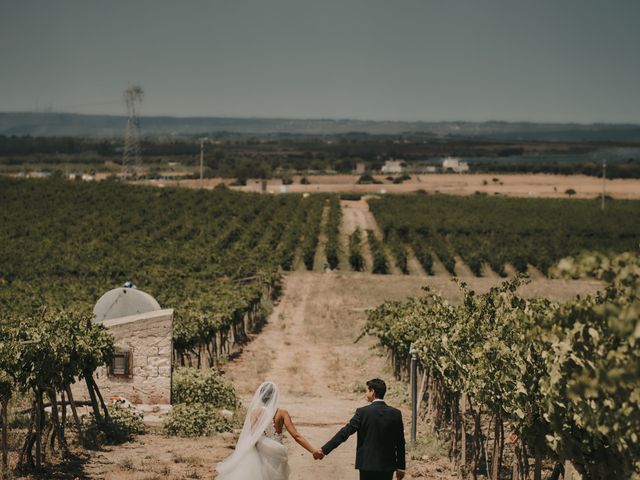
pixel 131 154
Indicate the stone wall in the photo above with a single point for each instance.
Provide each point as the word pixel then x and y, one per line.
pixel 148 338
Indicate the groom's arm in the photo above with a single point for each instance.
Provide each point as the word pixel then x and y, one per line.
pixel 400 445
pixel 344 433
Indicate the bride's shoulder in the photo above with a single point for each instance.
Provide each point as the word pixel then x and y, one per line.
pixel 281 413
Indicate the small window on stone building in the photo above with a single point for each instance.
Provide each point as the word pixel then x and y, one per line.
pixel 121 364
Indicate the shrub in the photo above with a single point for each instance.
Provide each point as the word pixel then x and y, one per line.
pixel 125 423
pixel 191 385
pixel 350 196
pixel 195 420
pixel 366 178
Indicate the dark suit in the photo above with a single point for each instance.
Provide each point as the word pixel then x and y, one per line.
pixel 380 448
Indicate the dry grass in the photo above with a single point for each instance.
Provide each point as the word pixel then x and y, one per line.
pixel 524 185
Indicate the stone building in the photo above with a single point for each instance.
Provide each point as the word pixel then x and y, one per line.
pixel 142 334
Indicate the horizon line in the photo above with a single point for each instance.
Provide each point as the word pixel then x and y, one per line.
pixel 333 119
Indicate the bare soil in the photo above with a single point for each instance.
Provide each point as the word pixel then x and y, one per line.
pixel 356 214
pixel 517 185
pixel 308 348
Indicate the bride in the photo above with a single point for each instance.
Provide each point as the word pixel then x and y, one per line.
pixel 259 453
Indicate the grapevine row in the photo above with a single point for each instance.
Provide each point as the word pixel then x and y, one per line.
pixel 380 262
pixel 499 230
pixel 563 378
pixel 356 260
pixel 332 231
pixel 311 230
pixel 213 256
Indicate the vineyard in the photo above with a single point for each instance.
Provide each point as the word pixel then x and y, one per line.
pixel 505 378
pixel 498 232
pixel 534 381
pixel 213 256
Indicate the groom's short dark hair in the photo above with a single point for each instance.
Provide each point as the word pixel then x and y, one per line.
pixel 378 386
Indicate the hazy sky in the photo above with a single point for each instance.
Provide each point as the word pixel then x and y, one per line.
pixel 534 60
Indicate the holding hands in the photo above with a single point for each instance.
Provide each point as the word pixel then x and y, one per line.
pixel 318 454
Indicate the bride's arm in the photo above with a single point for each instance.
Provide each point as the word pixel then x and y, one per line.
pixel 288 423
pixel 255 416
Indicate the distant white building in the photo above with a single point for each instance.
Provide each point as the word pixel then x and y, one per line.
pixel 38 174
pixel 264 186
pixel 453 163
pixel 361 167
pixel 392 166
pixel 85 177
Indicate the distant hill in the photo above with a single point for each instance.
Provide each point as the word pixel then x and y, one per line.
pixel 70 124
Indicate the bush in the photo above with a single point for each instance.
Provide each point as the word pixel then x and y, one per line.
pixel 195 420
pixel 350 196
pixel 125 423
pixel 366 178
pixel 191 385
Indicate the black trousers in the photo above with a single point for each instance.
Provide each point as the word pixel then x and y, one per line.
pixel 369 475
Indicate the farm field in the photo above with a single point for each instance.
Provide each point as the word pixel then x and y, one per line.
pixel 205 254
pixel 503 232
pixel 308 347
pixel 516 185
pixel 95 236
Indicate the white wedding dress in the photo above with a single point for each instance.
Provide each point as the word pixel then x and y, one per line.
pixel 259 453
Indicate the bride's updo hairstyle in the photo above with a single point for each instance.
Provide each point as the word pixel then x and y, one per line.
pixel 266 392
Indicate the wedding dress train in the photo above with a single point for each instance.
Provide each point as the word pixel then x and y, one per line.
pixel 260 453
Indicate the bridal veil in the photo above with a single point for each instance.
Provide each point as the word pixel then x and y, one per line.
pixel 257 457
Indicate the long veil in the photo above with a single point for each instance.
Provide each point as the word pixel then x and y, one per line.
pixel 260 414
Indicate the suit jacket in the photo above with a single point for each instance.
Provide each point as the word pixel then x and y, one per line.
pixel 381 445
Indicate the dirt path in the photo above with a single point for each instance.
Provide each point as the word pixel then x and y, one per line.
pixel 357 214
pixel 308 349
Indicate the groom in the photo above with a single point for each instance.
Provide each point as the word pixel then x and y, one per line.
pixel 380 449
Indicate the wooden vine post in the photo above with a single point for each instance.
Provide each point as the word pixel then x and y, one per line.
pixel 74 412
pixel 498 445
pixel 463 435
pixel 4 419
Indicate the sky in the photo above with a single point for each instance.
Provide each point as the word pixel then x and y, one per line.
pixel 430 60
